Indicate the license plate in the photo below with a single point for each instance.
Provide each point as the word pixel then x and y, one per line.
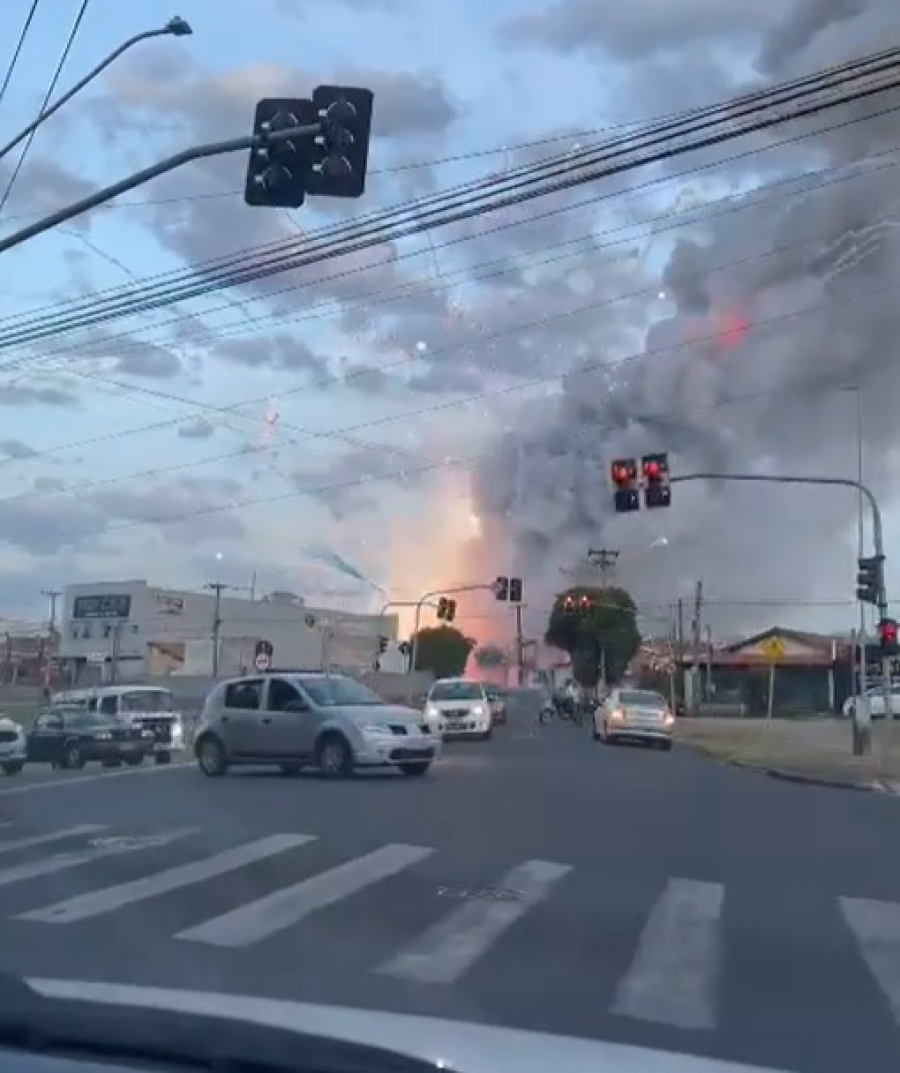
pixel 454 724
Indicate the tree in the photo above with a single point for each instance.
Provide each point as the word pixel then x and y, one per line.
pixel 489 657
pixel 443 650
pixel 597 627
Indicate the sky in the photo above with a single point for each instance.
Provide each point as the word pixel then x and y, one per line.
pixel 440 409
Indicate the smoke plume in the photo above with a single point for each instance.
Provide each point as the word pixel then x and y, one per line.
pixel 786 314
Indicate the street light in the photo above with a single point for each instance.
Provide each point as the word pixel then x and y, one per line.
pixel 175 27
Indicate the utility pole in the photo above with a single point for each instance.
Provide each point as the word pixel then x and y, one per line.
pixel 605 560
pixel 520 647
pixel 218 588
pixel 679 640
pixel 53 596
pixel 696 640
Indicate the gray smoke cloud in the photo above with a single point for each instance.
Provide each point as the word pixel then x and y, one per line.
pixel 782 309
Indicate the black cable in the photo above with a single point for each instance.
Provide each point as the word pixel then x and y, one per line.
pixel 51 89
pixel 477 197
pixel 17 51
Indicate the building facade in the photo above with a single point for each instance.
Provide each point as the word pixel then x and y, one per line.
pixel 126 630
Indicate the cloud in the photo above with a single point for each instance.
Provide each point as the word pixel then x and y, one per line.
pixel 197 430
pixel 278 351
pixel 777 310
pixel 15 449
pixel 18 394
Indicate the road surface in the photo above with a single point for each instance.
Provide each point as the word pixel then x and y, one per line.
pixel 544 882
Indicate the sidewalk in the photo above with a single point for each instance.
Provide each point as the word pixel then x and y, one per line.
pixel 807 749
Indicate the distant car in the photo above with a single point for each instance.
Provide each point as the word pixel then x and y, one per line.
pixel 299 719
pixel 70 737
pixel 497 703
pixel 12 746
pixel 459 707
pixel 636 715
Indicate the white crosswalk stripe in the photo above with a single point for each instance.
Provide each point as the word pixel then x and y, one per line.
pixel 674 976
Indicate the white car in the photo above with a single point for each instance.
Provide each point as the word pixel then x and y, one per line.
pixel 13 746
pixel 637 715
pixel 874 699
pixel 458 707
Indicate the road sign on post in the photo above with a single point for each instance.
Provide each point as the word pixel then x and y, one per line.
pixel 262 656
pixel 773 649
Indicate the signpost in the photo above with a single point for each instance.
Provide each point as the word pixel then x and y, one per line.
pixel 262 656
pixel 773 649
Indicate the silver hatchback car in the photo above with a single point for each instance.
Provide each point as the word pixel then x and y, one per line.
pixel 297 719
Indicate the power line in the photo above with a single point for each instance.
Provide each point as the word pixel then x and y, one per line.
pixel 308 436
pixel 51 89
pixel 762 111
pixel 17 51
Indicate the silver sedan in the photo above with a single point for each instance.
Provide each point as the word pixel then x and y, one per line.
pixel 637 715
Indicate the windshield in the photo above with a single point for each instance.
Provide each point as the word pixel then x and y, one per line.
pixel 333 691
pixel 80 718
pixel 494 693
pixel 641 698
pixel 146 701
pixel 456 691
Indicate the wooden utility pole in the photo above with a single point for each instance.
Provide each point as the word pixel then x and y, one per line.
pixel 218 588
pixel 520 648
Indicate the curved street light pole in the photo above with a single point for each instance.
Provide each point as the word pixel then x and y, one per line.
pixel 175 27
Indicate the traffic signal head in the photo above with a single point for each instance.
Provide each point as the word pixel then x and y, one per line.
pixel 276 173
pixel 442 608
pixel 501 588
pixel 870 579
pixel 585 603
pixel 569 604
pixel 340 155
pixel 623 473
pixel 657 486
pixel 382 644
pixel 449 610
pixel 516 590
pixel 887 636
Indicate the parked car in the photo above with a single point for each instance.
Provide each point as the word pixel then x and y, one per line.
pixel 12 746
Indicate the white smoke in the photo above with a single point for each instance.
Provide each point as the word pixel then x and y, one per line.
pixel 814 278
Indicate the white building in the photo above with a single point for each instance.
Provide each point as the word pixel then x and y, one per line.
pixel 130 629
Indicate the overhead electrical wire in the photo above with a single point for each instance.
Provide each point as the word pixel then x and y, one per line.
pixel 51 89
pixel 17 51
pixel 307 435
pixel 760 111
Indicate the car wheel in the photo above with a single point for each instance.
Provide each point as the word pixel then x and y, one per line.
pixel 73 758
pixel 211 757
pixel 14 767
pixel 334 757
pixel 414 768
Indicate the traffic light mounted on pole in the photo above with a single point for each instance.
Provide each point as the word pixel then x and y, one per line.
pixel 870 579
pixel 276 173
pixel 516 590
pixel 446 609
pixel 623 473
pixel 887 637
pixel 501 588
pixel 657 486
pixel 340 154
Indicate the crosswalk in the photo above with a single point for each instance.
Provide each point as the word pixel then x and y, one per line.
pixel 672 976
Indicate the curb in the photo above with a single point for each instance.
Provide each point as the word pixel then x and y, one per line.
pixel 875 786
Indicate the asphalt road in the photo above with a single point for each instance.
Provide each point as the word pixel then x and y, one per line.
pixel 537 880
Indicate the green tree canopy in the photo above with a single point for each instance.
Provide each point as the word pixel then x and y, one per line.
pixel 490 656
pixel 596 627
pixel 443 650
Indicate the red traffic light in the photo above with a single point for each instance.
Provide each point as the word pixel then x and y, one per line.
pixel 585 602
pixel 655 468
pixel 623 471
pixel 651 470
pixel 887 631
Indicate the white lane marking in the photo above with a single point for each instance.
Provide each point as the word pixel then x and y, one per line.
pixel 61 861
pixel 283 908
pixel 107 900
pixel 54 836
pixel 672 979
pixel 54 782
pixel 876 928
pixel 444 952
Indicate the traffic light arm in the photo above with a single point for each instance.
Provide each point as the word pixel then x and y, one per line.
pixel 827 482
pixel 139 178
pixel 422 602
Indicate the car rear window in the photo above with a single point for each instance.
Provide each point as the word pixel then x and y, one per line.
pixel 642 698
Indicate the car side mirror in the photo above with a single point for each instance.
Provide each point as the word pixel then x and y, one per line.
pixel 296 706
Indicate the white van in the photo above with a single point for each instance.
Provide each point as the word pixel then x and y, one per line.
pixel 148 707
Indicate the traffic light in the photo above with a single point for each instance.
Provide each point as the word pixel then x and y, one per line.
pixel 585 604
pixel 383 644
pixel 657 486
pixel 870 579
pixel 501 588
pixel 277 173
pixel 442 608
pixel 623 473
pixel 449 610
pixel 569 604
pixel 887 637
pixel 516 590
pixel 340 154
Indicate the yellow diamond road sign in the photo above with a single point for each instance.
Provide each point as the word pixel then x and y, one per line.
pixel 773 648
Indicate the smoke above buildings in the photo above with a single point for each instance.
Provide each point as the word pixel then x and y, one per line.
pixel 786 314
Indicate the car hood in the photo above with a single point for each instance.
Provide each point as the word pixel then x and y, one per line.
pixel 449 1045
pixel 377 713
